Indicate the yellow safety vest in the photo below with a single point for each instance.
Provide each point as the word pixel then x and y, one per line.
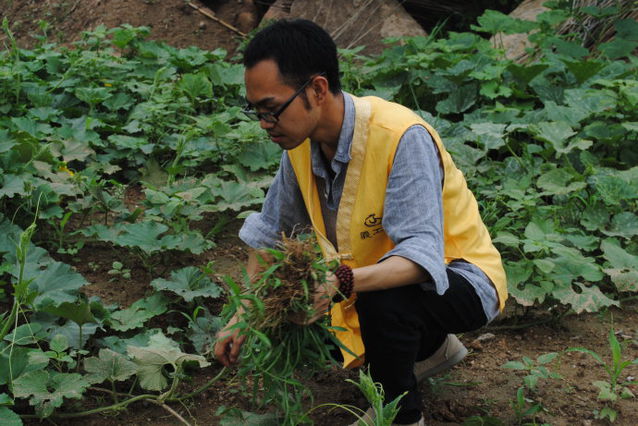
pixel 379 125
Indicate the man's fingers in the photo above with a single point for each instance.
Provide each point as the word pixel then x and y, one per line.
pixel 236 347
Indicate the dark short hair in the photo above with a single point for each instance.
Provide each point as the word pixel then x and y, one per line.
pixel 300 48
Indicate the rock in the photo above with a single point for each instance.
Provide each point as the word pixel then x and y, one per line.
pixel 352 22
pixel 247 17
pixel 515 44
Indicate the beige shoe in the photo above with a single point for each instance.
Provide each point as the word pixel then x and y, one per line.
pixel 448 355
pixel 368 420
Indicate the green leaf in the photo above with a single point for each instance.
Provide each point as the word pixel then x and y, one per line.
pixel 59 343
pixel 460 100
pixel 570 264
pixel 48 390
pixel 196 85
pixel 618 48
pixel 203 331
pixel 143 235
pixel 138 313
pixel 624 225
pixel 558 182
pixel 514 365
pixel 595 217
pixel 507 239
pixel 605 393
pixel 584 70
pixel 493 21
pixel 546 358
pixel 489 135
pixel 189 283
pixel 624 266
pixel 9 417
pixel 259 155
pixel 234 196
pixel 18 360
pixel 587 299
pixel 119 344
pixel 152 359
pixel 57 284
pixel 5 399
pixel 613 189
pixel 25 334
pixel 525 74
pixel 109 365
pixel 557 133
pixel 78 312
pixel 71 330
pixel 13 185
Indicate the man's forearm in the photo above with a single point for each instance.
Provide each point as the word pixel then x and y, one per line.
pixel 395 271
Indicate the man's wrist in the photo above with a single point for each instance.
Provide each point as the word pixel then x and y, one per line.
pixel 345 278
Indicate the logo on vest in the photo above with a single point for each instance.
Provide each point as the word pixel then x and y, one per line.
pixel 374 223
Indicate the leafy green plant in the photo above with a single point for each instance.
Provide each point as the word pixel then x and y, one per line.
pixel 119 271
pixel 536 369
pixel 278 352
pixel 384 412
pixel 525 408
pixel 614 387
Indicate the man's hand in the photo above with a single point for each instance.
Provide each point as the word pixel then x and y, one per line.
pixel 322 297
pixel 228 343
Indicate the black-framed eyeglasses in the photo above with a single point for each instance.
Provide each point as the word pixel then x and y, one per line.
pixel 273 116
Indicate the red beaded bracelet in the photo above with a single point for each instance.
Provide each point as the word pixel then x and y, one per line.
pixel 346 283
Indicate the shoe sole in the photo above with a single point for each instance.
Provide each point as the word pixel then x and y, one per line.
pixel 449 363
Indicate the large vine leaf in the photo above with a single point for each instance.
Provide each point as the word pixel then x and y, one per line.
pixel 624 224
pixel 202 332
pixel 109 365
pixel 57 284
pixel 9 417
pixel 47 390
pixel 234 196
pixel 557 133
pixel 18 360
pixel 624 266
pixel 585 299
pixel 138 313
pixel 189 283
pixel 151 360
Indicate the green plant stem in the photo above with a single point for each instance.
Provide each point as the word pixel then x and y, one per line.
pixel 526 325
pixel 123 404
pixel 114 407
pixel 202 388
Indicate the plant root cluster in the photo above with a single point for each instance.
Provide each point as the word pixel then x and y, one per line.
pixel 285 288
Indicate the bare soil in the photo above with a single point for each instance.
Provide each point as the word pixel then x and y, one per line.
pixel 479 386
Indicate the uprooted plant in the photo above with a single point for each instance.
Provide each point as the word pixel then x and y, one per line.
pixel 279 351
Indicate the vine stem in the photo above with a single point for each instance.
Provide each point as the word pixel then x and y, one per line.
pixel 529 324
pixel 147 397
pixel 173 412
pixel 202 388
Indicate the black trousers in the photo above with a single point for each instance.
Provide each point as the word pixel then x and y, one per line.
pixel 406 324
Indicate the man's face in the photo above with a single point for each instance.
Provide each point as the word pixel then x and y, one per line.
pixel 266 92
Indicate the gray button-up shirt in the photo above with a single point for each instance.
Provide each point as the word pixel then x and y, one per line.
pixel 412 213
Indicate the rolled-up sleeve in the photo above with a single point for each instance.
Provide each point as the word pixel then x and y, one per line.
pixel 413 209
pixel 283 211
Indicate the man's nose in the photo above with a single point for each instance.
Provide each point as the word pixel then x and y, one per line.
pixel 266 124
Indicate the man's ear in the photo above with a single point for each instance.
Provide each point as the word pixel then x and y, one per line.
pixel 320 88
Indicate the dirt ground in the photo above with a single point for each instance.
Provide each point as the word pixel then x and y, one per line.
pixel 172 21
pixel 479 386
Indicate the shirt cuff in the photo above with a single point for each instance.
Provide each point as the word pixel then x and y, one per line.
pixel 257 233
pixel 416 251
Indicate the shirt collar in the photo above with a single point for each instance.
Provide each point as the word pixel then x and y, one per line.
pixel 342 156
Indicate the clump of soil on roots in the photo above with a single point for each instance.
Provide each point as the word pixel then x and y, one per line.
pixel 286 283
